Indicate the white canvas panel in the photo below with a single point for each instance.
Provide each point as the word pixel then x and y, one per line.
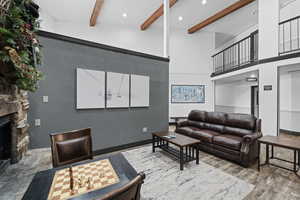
pixel 117 93
pixel 90 89
pixel 140 91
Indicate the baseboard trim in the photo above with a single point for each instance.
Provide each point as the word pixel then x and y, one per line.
pixel 121 147
pixel 290 132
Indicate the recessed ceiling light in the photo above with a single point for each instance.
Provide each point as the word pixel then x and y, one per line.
pixel 180 18
pixel 204 2
pixel 124 15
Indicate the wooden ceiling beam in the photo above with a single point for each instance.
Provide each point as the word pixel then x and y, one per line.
pixel 230 9
pixel 158 13
pixel 96 12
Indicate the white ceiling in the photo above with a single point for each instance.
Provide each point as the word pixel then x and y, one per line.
pixel 192 11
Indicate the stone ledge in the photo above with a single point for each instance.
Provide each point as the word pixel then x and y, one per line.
pixel 8 107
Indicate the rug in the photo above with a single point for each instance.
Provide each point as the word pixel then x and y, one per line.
pixel 165 181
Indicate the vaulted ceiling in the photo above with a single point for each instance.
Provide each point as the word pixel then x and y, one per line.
pixel 191 11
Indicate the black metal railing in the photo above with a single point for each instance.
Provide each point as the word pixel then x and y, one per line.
pixel 238 54
pixel 289 35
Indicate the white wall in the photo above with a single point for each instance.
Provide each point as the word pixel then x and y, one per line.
pixel 236 38
pixel 190 54
pixel 295 101
pixel 285 101
pixel 268 19
pixel 268 100
pixel 290 10
pixel 234 97
pixel 290 101
pixel 122 36
pixel 46 21
pixel 191 64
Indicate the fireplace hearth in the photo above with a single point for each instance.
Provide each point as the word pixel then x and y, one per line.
pixel 14 137
pixel 5 142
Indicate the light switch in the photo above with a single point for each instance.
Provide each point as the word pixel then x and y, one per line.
pixel 37 122
pixel 45 99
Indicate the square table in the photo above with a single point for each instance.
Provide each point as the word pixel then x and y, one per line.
pixel 42 181
pixel 277 141
pixel 161 140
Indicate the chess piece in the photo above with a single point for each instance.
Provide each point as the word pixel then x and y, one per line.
pixel 90 185
pixel 101 175
pixel 71 179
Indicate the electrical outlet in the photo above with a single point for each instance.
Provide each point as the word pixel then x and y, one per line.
pixel 45 99
pixel 37 122
pixel 145 130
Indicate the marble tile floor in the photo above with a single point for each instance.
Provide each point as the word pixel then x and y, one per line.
pixel 271 183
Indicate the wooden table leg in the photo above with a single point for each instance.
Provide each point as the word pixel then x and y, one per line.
pixel 299 158
pixel 197 155
pixel 153 143
pixel 181 158
pixel 272 151
pixel 267 154
pixel 186 154
pixel 258 165
pixel 295 161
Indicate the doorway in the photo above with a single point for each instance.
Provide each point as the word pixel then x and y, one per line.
pixel 255 101
pixel 289 100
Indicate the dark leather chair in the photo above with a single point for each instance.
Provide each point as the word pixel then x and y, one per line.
pixel 130 191
pixel 228 135
pixel 71 147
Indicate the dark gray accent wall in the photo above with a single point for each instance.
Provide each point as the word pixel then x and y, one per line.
pixel 110 127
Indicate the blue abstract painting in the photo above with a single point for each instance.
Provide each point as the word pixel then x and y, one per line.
pixel 187 94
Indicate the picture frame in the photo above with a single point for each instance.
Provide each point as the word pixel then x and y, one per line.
pixel 187 94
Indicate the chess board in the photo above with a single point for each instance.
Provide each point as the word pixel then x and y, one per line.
pixel 99 174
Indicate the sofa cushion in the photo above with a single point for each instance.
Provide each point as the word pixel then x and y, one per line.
pixel 243 121
pixel 187 130
pixel 237 131
pixel 229 141
pixel 204 135
pixel 214 127
pixel 197 115
pixel 216 118
pixel 196 124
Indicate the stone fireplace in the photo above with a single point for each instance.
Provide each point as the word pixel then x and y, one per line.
pixel 14 137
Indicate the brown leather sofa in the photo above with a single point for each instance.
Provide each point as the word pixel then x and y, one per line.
pixel 230 136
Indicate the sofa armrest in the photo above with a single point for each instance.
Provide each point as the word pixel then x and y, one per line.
pixel 251 138
pixel 248 140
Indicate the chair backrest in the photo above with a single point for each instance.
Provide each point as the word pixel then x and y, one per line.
pixel 71 147
pixel 130 191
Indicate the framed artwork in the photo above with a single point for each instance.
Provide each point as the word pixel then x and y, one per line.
pixel 187 94
pixel 90 90
pixel 117 90
pixel 139 91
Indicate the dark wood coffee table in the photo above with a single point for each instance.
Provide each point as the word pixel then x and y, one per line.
pixel 277 141
pixel 188 147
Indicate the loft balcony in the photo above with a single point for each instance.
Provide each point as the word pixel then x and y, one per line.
pixel 289 36
pixel 244 53
pixel 238 55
